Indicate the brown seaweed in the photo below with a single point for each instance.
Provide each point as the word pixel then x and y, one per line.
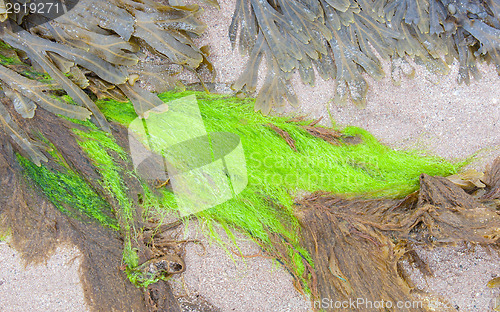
pixel 339 39
pixel 492 181
pixel 143 100
pixel 34 91
pixel 19 136
pixel 327 134
pixel 37 228
pixel 39 55
pixel 284 135
pixel 90 47
pixel 357 244
pixel 84 49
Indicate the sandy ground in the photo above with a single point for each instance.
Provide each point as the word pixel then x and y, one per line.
pixel 235 283
pixel 460 276
pixel 445 119
pixel 54 286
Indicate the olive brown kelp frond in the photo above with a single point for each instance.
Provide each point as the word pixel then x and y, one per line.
pixel 39 55
pixel 26 90
pixel 110 48
pixel 19 137
pixel 143 100
pixel 23 106
pixel 287 45
pixel 342 39
pixel 95 50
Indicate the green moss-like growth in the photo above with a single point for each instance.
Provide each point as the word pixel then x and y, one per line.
pixel 100 146
pixel 9 58
pixel 70 193
pixel 277 174
pixel 122 113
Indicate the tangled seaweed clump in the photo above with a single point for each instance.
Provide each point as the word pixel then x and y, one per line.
pixel 348 238
pixel 279 171
pixel 94 51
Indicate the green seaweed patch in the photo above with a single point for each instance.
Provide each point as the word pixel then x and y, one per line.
pixel 69 193
pixel 38 76
pixel 99 145
pixel 278 175
pixel 122 113
pixel 8 55
pixel 4 45
pixel 9 58
pixel 102 148
pixel 5 233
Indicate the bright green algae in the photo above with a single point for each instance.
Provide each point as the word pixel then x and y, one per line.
pixel 277 174
pixel 99 146
pixel 70 193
